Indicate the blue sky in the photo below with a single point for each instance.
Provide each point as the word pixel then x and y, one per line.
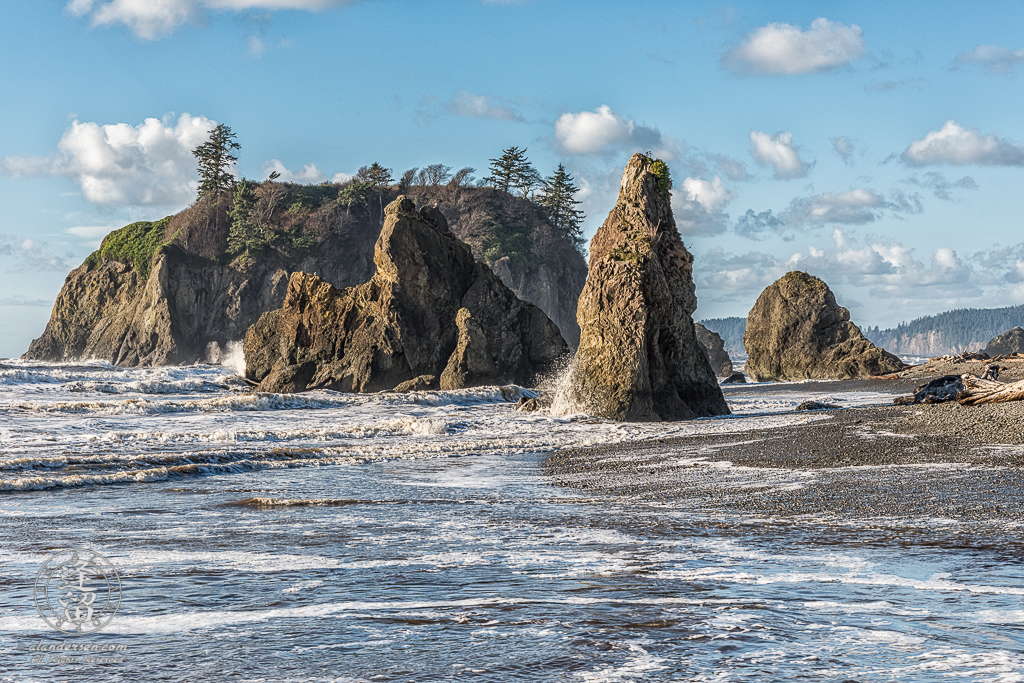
pixel 877 145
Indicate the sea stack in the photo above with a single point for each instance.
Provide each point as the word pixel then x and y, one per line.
pixel 714 347
pixel 430 313
pixel 638 357
pixel 796 330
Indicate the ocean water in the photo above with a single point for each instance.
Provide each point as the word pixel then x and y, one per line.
pixel 335 537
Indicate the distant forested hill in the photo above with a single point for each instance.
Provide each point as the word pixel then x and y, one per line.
pixel 949 332
pixel 731 332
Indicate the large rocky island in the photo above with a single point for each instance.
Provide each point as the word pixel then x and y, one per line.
pixel 639 358
pixel 175 291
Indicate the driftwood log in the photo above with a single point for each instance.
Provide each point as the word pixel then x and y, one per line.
pixel 978 391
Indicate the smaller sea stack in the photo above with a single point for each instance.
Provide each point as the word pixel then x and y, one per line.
pixel 796 330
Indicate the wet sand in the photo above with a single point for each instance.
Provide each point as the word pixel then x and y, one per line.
pixel 945 461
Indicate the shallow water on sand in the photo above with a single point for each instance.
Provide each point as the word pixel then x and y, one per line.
pixel 398 538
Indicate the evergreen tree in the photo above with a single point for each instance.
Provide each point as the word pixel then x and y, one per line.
pixel 509 170
pixel 559 201
pixel 375 174
pixel 215 160
pixel 245 234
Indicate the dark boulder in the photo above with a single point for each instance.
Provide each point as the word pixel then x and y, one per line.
pixel 1011 341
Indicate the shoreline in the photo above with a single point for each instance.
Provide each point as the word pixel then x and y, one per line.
pixel 942 461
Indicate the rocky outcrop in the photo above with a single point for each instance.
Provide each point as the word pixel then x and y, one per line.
pixel 638 357
pixel 1011 341
pixel 714 348
pixel 429 309
pixel 173 316
pixel 191 299
pixel 796 330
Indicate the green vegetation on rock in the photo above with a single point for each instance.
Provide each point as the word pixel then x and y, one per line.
pixel 660 170
pixel 134 245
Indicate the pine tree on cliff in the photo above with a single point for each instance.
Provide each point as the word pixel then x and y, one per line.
pixel 513 170
pixel 215 159
pixel 245 234
pixel 559 201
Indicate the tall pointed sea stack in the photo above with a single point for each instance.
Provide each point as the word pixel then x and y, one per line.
pixel 796 330
pixel 638 357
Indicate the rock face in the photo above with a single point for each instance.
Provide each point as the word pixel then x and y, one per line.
pixel 796 330
pixel 638 357
pixel 109 312
pixel 513 235
pixel 1011 341
pixel 714 348
pixel 430 309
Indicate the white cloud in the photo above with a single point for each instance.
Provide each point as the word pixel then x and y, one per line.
pixel 732 168
pixel 997 60
pixel 952 144
pixel 712 195
pixel 342 177
pixel 786 49
pixel 121 164
pixel 779 152
pixel 853 207
pixel 888 268
pixel 124 165
pixel 844 147
pixel 19 300
pixel 149 19
pixel 602 131
pixel 698 207
pixel 746 273
pixel 152 19
pixel 307 174
pixel 17 167
pixel 482 107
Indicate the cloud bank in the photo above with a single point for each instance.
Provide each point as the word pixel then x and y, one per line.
pixel 123 165
pixel 889 269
